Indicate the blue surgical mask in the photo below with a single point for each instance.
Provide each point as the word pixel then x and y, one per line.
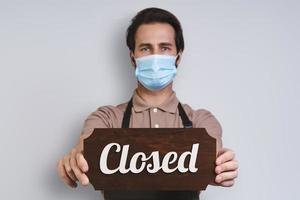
pixel 155 71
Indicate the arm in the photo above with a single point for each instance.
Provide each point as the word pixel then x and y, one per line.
pixel 73 166
pixel 204 119
pixel 226 166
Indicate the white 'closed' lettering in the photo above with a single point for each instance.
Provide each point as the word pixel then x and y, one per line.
pixel 155 166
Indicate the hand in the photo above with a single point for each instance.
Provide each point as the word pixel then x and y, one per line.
pixel 226 169
pixel 72 168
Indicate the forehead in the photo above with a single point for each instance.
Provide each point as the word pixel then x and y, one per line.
pixel 155 33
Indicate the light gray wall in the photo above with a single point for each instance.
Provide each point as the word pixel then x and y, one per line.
pixel 60 60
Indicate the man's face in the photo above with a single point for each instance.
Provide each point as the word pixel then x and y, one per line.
pixel 156 38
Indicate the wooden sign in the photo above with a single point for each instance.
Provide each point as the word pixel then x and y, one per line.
pixel 150 159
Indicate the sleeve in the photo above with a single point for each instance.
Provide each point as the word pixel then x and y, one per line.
pixel 101 118
pixel 205 119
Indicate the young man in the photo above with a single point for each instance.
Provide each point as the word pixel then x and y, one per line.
pixel 155 43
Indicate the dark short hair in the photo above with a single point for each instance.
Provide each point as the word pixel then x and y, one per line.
pixel 153 15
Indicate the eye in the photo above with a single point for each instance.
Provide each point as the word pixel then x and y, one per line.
pixel 165 48
pixel 144 49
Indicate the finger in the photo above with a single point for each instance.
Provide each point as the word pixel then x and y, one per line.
pixel 68 168
pixel 63 174
pixel 213 183
pixel 226 176
pixel 82 163
pixel 83 179
pixel 222 150
pixel 228 166
pixel 225 156
pixel 227 183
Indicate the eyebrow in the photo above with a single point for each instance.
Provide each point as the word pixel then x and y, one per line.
pixel 160 44
pixel 144 44
pixel 165 44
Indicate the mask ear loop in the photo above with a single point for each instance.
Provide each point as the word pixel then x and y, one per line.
pixel 133 60
pixel 177 56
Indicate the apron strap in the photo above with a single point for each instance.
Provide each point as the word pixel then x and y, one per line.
pixel 127 114
pixel 185 120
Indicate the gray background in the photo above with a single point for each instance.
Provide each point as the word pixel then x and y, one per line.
pixel 60 60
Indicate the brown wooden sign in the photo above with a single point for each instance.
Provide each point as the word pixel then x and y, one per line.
pixel 150 159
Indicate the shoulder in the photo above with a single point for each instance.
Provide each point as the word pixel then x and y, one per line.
pixel 198 115
pixel 109 116
pixel 203 118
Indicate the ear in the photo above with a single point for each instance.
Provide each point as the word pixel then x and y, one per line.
pixel 178 59
pixel 132 60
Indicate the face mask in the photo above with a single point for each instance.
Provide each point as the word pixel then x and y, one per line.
pixel 156 71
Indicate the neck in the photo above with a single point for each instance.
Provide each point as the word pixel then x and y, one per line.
pixel 154 98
